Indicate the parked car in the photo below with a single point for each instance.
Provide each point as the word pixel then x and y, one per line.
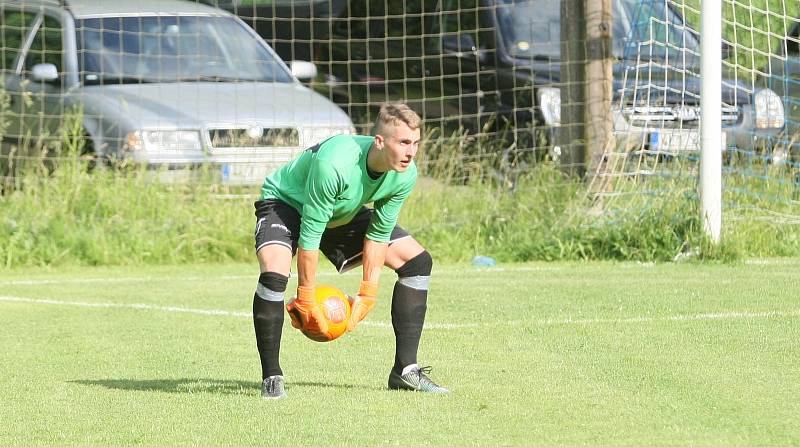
pixel 784 68
pixel 166 83
pixel 474 62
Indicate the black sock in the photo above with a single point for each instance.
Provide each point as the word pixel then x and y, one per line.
pixel 408 315
pixel 268 321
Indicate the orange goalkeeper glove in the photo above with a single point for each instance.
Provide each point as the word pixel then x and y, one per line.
pixel 362 303
pixel 306 314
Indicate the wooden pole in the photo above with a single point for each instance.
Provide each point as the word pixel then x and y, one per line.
pixel 571 135
pixel 599 86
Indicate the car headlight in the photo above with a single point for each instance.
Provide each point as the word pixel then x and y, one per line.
pixel 550 102
pixel 163 140
pixel 769 109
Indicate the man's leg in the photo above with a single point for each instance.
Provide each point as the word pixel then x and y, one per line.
pixel 343 247
pixel 268 314
pixel 413 265
pixel 274 242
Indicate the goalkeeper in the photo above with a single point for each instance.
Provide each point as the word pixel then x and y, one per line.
pixel 316 203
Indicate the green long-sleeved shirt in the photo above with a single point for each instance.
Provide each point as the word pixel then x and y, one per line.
pixel 328 183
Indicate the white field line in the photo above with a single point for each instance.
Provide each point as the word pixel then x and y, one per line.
pixel 776 261
pixel 188 310
pixel 42 282
pixel 731 315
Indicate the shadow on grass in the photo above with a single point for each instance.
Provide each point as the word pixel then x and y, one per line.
pixel 188 386
pixel 191 386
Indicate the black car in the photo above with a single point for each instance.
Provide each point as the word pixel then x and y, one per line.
pixel 479 63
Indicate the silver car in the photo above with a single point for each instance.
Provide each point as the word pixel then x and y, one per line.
pixel 784 69
pixel 170 84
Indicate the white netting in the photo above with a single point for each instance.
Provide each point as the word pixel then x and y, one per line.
pixel 193 88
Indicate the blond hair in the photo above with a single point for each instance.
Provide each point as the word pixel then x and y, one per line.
pixel 394 113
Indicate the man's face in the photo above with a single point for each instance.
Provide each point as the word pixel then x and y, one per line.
pixel 400 146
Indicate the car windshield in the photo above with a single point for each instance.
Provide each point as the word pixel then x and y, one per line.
pixel 173 49
pixel 532 29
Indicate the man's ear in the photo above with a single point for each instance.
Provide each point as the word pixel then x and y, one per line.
pixel 379 141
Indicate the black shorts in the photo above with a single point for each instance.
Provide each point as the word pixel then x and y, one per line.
pixel 279 223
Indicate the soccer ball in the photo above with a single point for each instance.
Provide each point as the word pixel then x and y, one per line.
pixel 335 307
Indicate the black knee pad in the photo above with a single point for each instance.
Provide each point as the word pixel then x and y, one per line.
pixel 273 281
pixel 420 265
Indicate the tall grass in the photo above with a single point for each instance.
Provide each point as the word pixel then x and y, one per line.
pixel 72 216
pixel 67 213
pixel 64 212
pixel 469 201
pixel 549 216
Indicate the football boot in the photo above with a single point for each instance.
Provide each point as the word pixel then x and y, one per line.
pixel 272 388
pixel 415 380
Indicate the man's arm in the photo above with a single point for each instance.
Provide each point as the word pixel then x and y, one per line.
pixel 307 261
pixel 303 310
pixel 373 257
pixel 323 183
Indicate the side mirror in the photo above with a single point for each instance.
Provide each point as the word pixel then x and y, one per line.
pixel 44 72
pixel 302 70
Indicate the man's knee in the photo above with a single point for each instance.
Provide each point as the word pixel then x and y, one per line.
pixel 271 286
pixel 416 272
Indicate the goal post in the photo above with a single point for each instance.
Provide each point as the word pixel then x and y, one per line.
pixel 711 118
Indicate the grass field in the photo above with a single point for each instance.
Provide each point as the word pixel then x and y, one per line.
pixel 536 354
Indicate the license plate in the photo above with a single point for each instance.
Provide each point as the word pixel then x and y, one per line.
pixel 243 173
pixel 679 141
pixel 672 142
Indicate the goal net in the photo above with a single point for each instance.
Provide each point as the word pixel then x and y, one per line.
pixel 487 76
